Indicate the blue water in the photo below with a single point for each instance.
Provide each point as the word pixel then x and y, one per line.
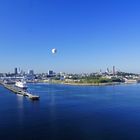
pixel 71 113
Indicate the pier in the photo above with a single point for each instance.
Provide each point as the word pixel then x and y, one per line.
pixel 20 91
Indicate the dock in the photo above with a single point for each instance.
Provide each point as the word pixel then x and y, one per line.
pixel 20 91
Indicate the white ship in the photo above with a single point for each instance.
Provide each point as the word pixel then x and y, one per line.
pixel 21 84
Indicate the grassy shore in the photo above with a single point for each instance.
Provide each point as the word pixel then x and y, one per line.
pixel 81 84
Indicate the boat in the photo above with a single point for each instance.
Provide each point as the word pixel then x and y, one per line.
pixel 21 84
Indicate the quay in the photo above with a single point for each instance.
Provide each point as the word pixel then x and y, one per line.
pixel 20 91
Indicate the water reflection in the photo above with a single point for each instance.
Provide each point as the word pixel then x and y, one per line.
pixel 20 108
pixel 53 114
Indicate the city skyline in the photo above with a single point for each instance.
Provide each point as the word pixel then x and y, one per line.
pixel 110 70
pixel 89 35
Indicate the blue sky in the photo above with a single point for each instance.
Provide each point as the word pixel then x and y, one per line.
pixel 89 35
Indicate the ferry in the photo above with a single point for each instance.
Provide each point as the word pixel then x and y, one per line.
pixel 21 84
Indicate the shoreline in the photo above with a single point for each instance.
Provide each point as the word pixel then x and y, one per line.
pixel 83 84
pixel 91 84
pixel 80 84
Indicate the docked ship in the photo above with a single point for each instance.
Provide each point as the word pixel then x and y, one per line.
pixel 21 84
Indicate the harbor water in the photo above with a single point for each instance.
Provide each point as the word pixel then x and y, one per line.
pixel 67 112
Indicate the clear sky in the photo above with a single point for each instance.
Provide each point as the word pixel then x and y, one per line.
pixel 89 35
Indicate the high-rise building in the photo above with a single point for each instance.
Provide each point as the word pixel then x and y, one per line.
pixel 15 71
pixel 19 71
pixel 50 72
pixel 31 72
pixel 114 71
pixel 100 71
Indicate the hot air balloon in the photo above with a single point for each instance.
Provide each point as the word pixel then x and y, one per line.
pixel 54 51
